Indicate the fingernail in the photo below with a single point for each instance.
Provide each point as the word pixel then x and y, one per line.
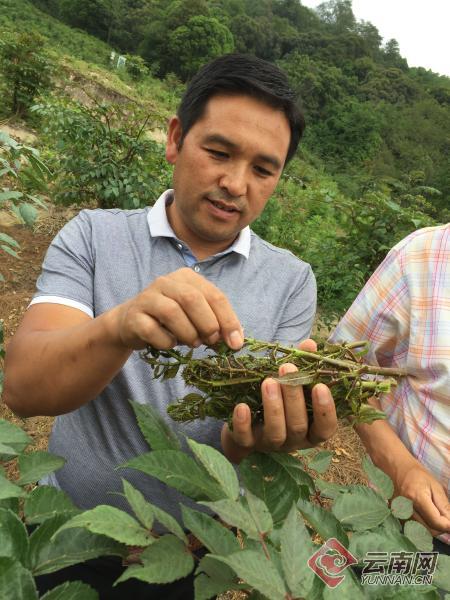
pixel 213 338
pixel 235 339
pixel 241 413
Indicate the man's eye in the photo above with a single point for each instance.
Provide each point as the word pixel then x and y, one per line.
pixel 262 171
pixel 217 153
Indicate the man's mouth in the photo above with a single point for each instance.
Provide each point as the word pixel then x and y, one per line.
pixel 223 205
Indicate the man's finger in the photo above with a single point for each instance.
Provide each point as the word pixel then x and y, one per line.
pixel 324 423
pixel 242 433
pixel 274 433
pixel 426 508
pixel 295 412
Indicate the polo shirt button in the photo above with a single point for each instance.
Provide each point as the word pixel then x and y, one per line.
pixel 180 246
pixel 196 268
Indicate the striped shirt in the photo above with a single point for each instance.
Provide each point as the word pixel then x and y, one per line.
pixel 404 313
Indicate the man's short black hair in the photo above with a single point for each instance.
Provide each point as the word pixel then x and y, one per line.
pixel 242 74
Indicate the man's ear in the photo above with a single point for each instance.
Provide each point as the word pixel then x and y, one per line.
pixel 174 134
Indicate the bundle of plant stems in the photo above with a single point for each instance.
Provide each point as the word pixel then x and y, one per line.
pixel 225 378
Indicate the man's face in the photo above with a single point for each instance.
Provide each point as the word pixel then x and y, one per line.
pixel 225 170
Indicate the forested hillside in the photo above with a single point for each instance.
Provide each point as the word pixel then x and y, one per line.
pixel 374 163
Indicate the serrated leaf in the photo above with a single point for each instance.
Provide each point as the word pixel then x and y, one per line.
pixel 178 470
pixel 169 522
pixel 235 514
pixel 441 576
pixel 262 475
pixel 220 577
pixel 214 536
pixel 14 436
pixel 259 512
pixel 36 464
pixel 71 590
pixel 294 468
pixel 256 570
pixel 328 489
pixel 13 537
pixel 206 588
pixel 165 561
pixel 378 478
pixel 349 589
pixel 113 523
pixel 360 509
pixel 379 540
pixel 28 213
pixel 419 535
pixel 16 582
pixel 52 550
pixel 402 508
pixel 321 461
pixel 155 430
pixel 218 467
pixel 46 501
pixel 10 490
pixel 296 549
pixel 139 505
pixel 323 522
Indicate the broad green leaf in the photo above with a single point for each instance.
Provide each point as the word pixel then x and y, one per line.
pixel 390 524
pixel 46 501
pixel 71 590
pixel 14 436
pixel 155 430
pixel 360 509
pixel 296 549
pixel 214 536
pixel 139 505
pixel 402 508
pixel 6 450
pixel 442 574
pixel 13 537
pixel 236 514
pixel 419 535
pixel 320 461
pixel 36 464
pixel 329 489
pixel 205 587
pixel 10 490
pixel 11 504
pixel 262 475
pixel 259 512
pixel 378 478
pixel 218 576
pixel 323 522
pixel 50 552
pixel 169 522
pixel 348 589
pixel 378 540
pixel 295 469
pixel 178 470
pixel 165 561
pixel 28 213
pixel 10 195
pixel 218 467
pixel 256 570
pixel 4 237
pixel 113 523
pixel 16 582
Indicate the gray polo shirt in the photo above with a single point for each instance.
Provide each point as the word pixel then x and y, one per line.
pixel 102 258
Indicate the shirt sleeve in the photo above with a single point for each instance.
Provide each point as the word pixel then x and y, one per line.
pixel 68 269
pixel 380 314
pixel 300 309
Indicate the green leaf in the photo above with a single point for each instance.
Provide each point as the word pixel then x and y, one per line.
pixel 402 508
pixel 9 250
pixel 155 430
pixel 13 536
pixel 9 240
pixel 28 213
pixel 262 475
pixel 139 505
pixel 169 522
pixel 213 577
pixel 378 478
pixel 218 467
pixel 331 490
pixel 205 587
pixel 52 550
pixel 36 464
pixel 10 490
pixel 235 514
pixel 178 470
pixel 259 512
pixel 46 501
pixel 442 574
pixel 113 523
pixel 321 461
pixel 71 590
pixel 378 540
pixel 360 509
pixel 256 570
pixel 295 469
pixel 322 521
pixel 10 195
pixel 165 561
pixel 419 535
pixel 349 589
pixel 296 549
pixel 16 582
pixel 214 536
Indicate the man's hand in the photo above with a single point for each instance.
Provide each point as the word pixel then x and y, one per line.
pixel 431 505
pixel 285 426
pixel 179 308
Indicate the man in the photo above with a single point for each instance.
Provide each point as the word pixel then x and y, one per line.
pixel 189 271
pixel 404 313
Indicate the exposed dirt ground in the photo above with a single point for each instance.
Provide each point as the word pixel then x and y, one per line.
pixel 16 292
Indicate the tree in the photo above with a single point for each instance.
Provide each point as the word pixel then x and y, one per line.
pixel 338 14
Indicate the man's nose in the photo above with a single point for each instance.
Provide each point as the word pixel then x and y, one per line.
pixel 234 180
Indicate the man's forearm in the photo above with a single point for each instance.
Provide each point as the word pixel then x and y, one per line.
pixel 51 372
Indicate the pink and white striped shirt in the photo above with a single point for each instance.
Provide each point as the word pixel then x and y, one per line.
pixel 404 313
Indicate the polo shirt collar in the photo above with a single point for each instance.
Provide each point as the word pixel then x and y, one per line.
pixel 159 226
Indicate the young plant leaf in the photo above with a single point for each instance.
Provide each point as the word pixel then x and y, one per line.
pixel 11 435
pixel 4 237
pixel 71 590
pixel 295 469
pixel 165 561
pixel 378 540
pixel 323 522
pixel 320 461
pixel 169 523
pixel 235 514
pixel 16 582
pixel 46 501
pixel 378 478
pixel 402 508
pixel 419 535
pixel 218 467
pixel 360 509
pixel 214 536
pixel 442 574
pixel 259 512
pixel 35 465
pixel 349 589
pixel 155 430
pixel 14 537
pixel 10 490
pixel 139 505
